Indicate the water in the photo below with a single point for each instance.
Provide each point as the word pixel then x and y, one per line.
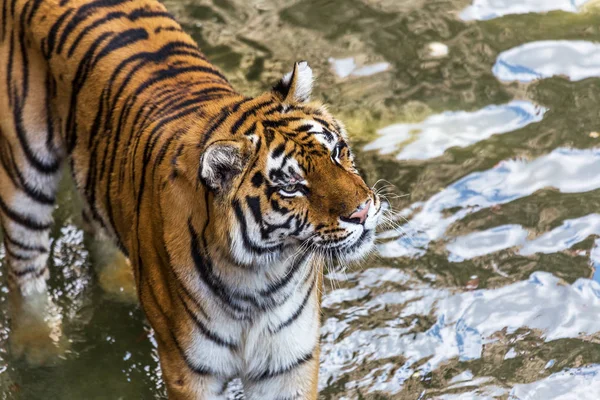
pixel 484 116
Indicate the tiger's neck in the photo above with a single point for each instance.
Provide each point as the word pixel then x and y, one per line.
pixel 261 288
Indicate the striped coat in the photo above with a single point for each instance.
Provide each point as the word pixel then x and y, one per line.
pixel 226 206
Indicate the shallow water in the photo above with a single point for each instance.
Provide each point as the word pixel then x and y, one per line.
pixel 484 116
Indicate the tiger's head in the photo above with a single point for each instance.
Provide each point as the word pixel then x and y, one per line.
pixel 283 177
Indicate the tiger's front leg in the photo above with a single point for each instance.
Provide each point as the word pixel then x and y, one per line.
pixel 283 355
pixel 187 378
pixel 300 383
pixel 113 268
pixel 185 384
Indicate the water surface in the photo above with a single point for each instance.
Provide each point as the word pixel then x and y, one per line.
pixel 483 116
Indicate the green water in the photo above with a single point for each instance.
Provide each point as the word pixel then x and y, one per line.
pixel 110 353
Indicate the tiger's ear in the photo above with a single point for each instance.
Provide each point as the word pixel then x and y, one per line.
pixel 296 86
pixel 221 162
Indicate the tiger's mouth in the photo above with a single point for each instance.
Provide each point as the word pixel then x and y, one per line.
pixel 353 251
pixel 358 242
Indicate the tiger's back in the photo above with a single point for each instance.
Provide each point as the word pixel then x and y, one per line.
pixel 225 205
pixel 81 75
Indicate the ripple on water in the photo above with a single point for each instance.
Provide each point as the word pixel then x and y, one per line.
pixel 574 383
pixel 438 133
pixel 346 67
pixel 464 323
pixel 567 170
pixel 488 9
pixel 574 59
pixel 477 244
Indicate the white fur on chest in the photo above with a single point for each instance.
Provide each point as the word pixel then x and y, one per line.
pixel 272 339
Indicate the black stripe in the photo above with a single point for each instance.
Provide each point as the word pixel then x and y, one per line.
pixel 205 270
pixel 4 14
pixel 173 72
pixel 210 335
pixel 250 246
pixel 253 203
pixel 287 277
pixel 278 150
pixel 83 12
pixel 132 16
pixel 165 147
pixel 23 220
pixel 19 257
pixel 90 60
pixel 23 246
pixel 269 373
pixel 214 126
pixel 21 183
pixel 198 369
pixel 33 11
pixel 51 37
pixel 81 75
pixel 121 40
pixel 304 128
pixel 147 155
pixel 203 92
pixel 159 57
pixel 257 179
pixel 250 131
pixel 9 67
pixel 149 146
pixel 18 103
pixel 167 29
pixel 323 122
pixel 50 86
pixel 182 285
pixel 298 311
pixel 29 270
pixel 251 111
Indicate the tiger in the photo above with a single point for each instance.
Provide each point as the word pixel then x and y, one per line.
pixel 227 207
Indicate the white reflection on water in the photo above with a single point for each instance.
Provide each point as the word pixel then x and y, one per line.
pixel 575 383
pixel 477 244
pixel 571 232
pixel 465 322
pixel 345 67
pixel 574 59
pixel 438 133
pixel 486 393
pixel 595 260
pixel 567 170
pixel 488 9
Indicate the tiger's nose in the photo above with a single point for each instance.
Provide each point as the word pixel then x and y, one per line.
pixel 360 215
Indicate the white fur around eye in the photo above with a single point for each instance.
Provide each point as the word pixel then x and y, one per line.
pixel 319 133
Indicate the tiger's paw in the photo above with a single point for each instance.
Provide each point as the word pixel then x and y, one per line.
pixel 115 277
pixel 36 330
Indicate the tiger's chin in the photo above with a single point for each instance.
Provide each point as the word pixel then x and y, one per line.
pixel 356 251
